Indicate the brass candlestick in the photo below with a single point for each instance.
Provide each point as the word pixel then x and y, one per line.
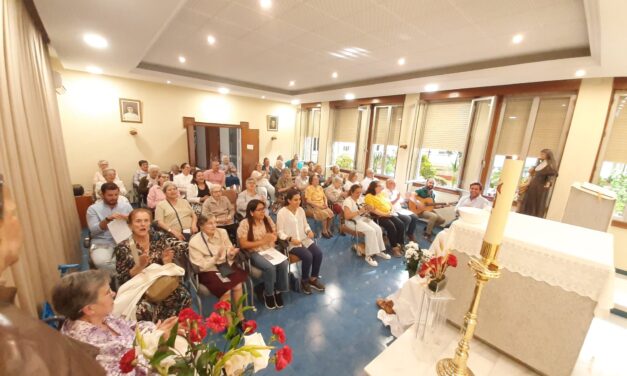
pixel 485 269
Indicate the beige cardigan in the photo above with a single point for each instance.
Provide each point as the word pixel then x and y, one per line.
pixel 199 254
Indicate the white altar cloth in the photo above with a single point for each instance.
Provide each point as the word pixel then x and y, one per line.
pixel 573 258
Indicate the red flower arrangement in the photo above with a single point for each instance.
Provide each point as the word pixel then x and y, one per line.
pixel 128 361
pixel 278 333
pixel 435 268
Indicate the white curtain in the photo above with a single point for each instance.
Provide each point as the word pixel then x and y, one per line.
pixel 33 159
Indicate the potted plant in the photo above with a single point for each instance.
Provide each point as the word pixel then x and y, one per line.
pixel 434 269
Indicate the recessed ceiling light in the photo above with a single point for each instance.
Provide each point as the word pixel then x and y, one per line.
pixel 580 73
pixel 265 4
pixel 349 96
pixel 211 40
pixel 401 61
pixel 182 59
pixel 168 82
pixel 516 39
pixel 95 41
pixel 334 74
pixel 93 69
pixel 292 83
pixel 513 117
pixel 263 97
pixel 431 87
pixel 223 90
pixel 295 101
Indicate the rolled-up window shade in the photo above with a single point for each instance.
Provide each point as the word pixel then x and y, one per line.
pixel 549 124
pixel 616 150
pixel 346 125
pixel 397 117
pixel 514 125
pixel 381 126
pixel 446 126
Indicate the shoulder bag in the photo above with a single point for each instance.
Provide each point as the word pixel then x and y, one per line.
pixel 162 287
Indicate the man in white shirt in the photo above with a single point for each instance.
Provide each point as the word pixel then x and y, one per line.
pixel 183 179
pixel 410 220
pixel 474 199
pixel 369 178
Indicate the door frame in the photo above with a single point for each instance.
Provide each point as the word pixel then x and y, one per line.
pixel 190 122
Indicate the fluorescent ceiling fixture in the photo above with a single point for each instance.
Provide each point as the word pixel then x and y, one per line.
pixel 292 83
pixel 334 74
pixel 93 69
pixel 349 96
pixel 182 59
pixel 516 39
pixel 211 40
pixel 265 4
pixel 401 61
pixel 580 73
pixel 223 90
pixel 350 53
pixel 168 82
pixel 513 117
pixel 431 87
pixel 263 97
pixel 95 41
pixel 295 101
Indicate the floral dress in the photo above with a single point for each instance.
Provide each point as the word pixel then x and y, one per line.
pixel 159 242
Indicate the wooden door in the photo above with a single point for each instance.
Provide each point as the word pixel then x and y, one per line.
pixel 212 140
pixel 250 151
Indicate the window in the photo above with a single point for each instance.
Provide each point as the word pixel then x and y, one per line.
pixel 612 165
pixel 348 129
pixel 310 134
pixel 528 125
pixel 385 138
pixel 442 145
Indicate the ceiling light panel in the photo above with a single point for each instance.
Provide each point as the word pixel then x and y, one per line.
pixel 95 41
pixel 350 53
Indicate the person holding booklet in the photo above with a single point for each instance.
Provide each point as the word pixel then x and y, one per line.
pixel 257 235
pixel 292 226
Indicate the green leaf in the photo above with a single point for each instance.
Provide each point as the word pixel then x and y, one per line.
pixel 173 333
pixel 235 341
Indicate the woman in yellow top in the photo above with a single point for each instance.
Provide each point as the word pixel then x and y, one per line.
pixel 382 208
pixel 317 205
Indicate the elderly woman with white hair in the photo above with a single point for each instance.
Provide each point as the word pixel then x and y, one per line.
pixel 302 180
pixel 146 182
pixel 111 176
pixel 276 172
pixel 103 164
pixel 263 184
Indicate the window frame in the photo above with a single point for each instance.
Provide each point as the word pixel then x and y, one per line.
pixel 373 131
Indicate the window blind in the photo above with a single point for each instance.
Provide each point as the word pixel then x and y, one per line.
pixel 381 126
pixel 514 125
pixel 616 150
pixel 446 126
pixel 346 125
pixel 549 124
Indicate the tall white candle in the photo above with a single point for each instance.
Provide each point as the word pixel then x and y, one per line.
pixel 498 219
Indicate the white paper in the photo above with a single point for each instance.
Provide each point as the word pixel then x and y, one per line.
pixel 250 147
pixel 119 230
pixel 223 279
pixel 307 242
pixel 275 257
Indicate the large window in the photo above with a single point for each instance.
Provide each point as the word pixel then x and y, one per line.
pixel 348 128
pixel 612 164
pixel 310 134
pixel 529 125
pixel 385 139
pixel 442 143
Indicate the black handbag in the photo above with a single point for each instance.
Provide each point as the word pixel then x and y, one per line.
pixel 223 268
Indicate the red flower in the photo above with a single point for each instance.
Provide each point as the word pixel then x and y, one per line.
pixel 279 333
pixel 249 326
pixel 423 270
pixel 216 322
pixel 283 358
pixel 452 260
pixel 197 333
pixel 128 361
pixel 222 305
pixel 188 314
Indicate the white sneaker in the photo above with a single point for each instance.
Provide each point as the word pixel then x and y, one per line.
pixel 384 255
pixel 371 261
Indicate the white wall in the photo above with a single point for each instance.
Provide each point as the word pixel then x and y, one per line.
pixel 92 128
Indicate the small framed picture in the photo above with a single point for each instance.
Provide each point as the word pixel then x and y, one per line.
pixel 273 123
pixel 131 110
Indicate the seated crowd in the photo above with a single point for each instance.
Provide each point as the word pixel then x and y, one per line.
pixel 203 222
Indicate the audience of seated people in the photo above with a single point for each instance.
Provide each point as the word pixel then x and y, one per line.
pixel 317 206
pixel 232 180
pixel 302 179
pixel 285 183
pixel 155 193
pixel 137 176
pixel 368 178
pixel 335 194
pixel 247 195
pixel 292 227
pixel 263 184
pixel 143 248
pixel 198 191
pixel 351 179
pixel 275 172
pixel 294 165
pixel 257 233
pixel 394 197
pixel 175 215
pixel 146 182
pixel 215 175
pixel 184 179
pixel 111 176
pixel 99 215
pixel 382 210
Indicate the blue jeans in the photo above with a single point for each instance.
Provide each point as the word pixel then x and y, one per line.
pixel 310 257
pixel 274 276
pixel 232 180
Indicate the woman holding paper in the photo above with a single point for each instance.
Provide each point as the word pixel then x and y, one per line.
pixel 292 226
pixel 257 235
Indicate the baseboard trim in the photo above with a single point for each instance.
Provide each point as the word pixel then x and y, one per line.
pixel 621 271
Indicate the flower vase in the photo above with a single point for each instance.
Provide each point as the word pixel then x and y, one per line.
pixel 439 284
pixel 411 272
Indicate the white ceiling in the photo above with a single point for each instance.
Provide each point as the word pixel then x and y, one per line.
pixel 259 51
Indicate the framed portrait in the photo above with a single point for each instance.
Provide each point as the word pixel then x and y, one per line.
pixel 273 123
pixel 131 110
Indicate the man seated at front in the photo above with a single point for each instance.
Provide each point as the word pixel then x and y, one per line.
pixel 111 176
pixel 433 218
pixel 367 179
pixel 247 195
pixel 99 215
pixel 474 199
pixel 214 175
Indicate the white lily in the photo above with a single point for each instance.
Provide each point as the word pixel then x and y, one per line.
pixel 262 361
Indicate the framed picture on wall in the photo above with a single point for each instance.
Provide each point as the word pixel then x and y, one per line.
pixel 130 110
pixel 273 123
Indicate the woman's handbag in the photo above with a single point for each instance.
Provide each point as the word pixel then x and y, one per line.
pixel 162 287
